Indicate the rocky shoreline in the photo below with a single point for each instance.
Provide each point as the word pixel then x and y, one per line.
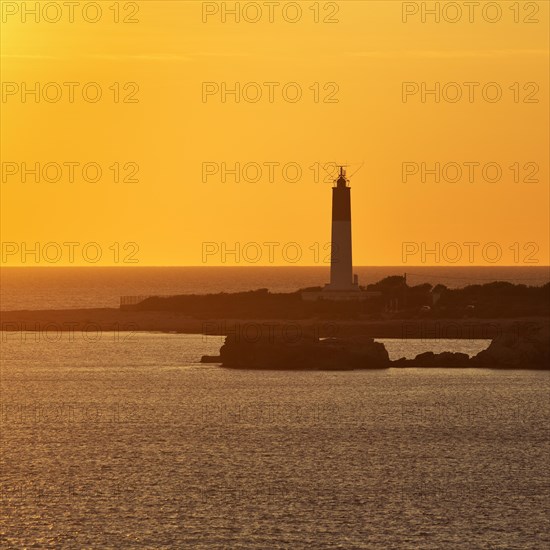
pixel 276 351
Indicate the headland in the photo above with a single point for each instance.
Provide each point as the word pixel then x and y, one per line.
pixel 509 315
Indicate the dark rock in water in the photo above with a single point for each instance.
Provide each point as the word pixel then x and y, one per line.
pixel 517 351
pixel 304 352
pixel 211 359
pixel 511 350
pixel 280 349
pixel 429 359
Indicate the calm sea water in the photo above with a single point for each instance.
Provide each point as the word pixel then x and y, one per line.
pixel 88 287
pixel 127 442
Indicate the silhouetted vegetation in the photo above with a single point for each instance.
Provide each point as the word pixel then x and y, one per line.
pixel 492 300
pixel 395 300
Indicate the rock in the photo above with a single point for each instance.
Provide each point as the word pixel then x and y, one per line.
pixel 306 352
pixel 518 351
pixel 279 349
pixel 211 359
pixel 429 359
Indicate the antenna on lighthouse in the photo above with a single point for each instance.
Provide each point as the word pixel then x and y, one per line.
pixel 342 180
pixel 342 172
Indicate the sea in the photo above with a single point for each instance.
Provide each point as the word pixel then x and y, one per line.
pixel 124 440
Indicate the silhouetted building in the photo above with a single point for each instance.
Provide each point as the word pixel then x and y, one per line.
pixel 344 285
pixel 341 265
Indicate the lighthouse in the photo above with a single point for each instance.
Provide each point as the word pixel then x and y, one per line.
pixel 343 283
pixel 341 265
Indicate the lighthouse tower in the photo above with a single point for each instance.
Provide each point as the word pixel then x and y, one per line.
pixel 343 283
pixel 341 266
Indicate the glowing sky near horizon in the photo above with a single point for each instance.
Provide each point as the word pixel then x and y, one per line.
pixel 351 71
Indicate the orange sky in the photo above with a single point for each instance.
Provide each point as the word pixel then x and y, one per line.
pixel 172 130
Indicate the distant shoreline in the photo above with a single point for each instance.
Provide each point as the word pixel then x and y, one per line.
pixel 116 320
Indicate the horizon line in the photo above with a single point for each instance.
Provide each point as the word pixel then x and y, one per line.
pixel 402 267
